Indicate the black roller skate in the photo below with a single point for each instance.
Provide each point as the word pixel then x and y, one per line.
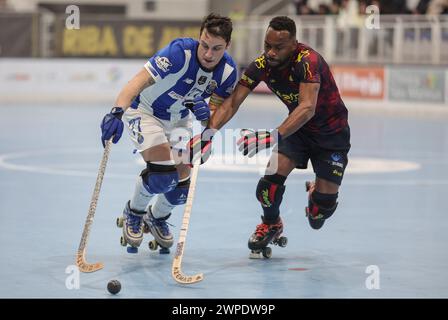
pixel 316 221
pixel 264 235
pixel 317 214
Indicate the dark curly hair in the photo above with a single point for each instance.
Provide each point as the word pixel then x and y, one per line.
pixel 281 23
pixel 218 26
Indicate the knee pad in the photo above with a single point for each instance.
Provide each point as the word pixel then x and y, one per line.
pixel 270 196
pixel 159 178
pixel 178 195
pixel 321 205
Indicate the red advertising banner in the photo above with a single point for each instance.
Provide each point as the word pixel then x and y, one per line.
pixel 360 82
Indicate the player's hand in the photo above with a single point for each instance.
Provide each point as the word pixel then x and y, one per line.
pixel 200 146
pixel 253 141
pixel 112 126
pixel 199 107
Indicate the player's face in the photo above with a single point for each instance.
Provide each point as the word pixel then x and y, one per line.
pixel 210 50
pixel 278 47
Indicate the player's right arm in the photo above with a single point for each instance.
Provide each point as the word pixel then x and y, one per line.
pixel 133 88
pixel 166 61
pixel 112 126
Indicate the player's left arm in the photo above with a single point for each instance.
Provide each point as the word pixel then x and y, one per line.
pixel 215 102
pixel 305 110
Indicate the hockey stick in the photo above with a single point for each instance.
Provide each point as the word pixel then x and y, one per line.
pixel 176 270
pixel 81 262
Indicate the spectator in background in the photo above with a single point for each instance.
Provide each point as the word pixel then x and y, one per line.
pixel 422 7
pixel 335 6
pixel 438 7
pixel 324 9
pixel 349 14
pixel 302 7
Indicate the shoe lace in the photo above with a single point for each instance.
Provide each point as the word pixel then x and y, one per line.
pixel 135 222
pixel 261 229
pixel 162 225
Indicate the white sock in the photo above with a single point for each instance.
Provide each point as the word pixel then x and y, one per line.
pixel 162 207
pixel 141 197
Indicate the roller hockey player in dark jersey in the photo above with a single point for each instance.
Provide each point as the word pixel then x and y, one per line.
pixel 316 129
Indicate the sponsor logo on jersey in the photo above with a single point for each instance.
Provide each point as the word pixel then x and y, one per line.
pixel 244 77
pixel 212 85
pixel 188 81
pixel 288 98
pixel 202 80
pixel 163 63
pixel 260 62
pixel 302 54
pixel 175 95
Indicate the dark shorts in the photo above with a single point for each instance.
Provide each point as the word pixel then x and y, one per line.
pixel 328 153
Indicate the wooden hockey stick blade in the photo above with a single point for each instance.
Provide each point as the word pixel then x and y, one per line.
pixel 84 266
pixel 176 271
pixel 81 262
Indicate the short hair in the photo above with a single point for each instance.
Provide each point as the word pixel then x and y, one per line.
pixel 281 23
pixel 218 26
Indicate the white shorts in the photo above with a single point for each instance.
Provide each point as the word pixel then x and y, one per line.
pixel 147 131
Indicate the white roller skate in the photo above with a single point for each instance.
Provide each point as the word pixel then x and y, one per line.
pixel 160 230
pixel 132 224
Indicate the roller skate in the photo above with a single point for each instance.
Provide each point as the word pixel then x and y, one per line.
pixel 315 220
pixel 263 236
pixel 160 230
pixel 132 224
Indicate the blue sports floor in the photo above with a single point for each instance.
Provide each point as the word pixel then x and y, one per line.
pixel 392 216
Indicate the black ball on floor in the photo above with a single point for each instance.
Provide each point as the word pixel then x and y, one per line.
pixel 114 286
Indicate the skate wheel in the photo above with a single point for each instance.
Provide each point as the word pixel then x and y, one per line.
pixel 164 250
pixel 282 241
pixel 120 222
pixel 123 241
pixel 145 227
pixel 254 255
pixel 267 252
pixel 152 245
pixel 132 249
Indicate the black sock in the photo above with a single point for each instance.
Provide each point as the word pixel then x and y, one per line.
pixel 276 178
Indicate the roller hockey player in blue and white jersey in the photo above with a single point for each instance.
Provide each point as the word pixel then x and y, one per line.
pixel 155 107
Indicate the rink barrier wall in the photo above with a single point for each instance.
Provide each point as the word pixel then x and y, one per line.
pixel 61 80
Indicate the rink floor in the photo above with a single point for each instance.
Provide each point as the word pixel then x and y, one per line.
pixel 392 215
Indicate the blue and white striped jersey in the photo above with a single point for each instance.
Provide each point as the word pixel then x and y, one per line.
pixel 178 75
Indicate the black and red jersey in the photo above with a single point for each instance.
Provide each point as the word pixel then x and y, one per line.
pixel 306 65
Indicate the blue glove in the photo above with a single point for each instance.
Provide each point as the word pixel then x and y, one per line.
pixel 199 107
pixel 112 125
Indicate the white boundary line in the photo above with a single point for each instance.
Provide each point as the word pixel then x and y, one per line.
pixel 5 163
